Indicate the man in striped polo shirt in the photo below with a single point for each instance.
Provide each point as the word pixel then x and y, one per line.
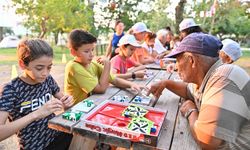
pixel 217 95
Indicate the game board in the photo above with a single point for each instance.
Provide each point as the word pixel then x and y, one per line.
pixel 121 98
pixel 84 106
pixel 142 98
pixel 107 119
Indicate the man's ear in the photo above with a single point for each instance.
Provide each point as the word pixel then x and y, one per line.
pixel 21 64
pixel 193 61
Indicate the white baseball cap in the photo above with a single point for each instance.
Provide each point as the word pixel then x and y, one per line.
pixel 232 49
pixel 128 39
pixel 140 27
pixel 187 23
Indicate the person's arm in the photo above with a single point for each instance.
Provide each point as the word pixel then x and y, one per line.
pixel 11 128
pixel 145 59
pixel 121 83
pixel 134 69
pixel 192 117
pixel 109 47
pixel 179 88
pixel 104 79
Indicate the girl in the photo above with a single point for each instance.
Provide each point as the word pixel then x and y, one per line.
pixel 26 100
pixel 122 62
pixel 112 46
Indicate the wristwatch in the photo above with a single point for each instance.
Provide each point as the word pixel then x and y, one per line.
pixel 133 75
pixel 189 112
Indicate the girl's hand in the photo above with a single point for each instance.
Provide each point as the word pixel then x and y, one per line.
pixel 170 68
pixel 67 101
pixel 140 73
pixel 48 108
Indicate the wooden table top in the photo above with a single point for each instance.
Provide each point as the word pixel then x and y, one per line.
pixel 175 133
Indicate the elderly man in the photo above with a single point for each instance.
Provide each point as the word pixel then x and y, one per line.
pixel 217 95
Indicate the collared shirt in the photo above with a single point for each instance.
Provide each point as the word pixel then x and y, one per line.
pixel 223 101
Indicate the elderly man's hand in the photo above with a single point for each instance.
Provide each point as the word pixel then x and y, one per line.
pixel 157 88
pixel 186 106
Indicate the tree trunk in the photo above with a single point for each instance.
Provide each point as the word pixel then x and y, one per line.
pixel 1 33
pixel 56 33
pixel 43 27
pixel 179 10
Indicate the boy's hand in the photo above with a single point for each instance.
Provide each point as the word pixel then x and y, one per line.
pixel 67 101
pixel 170 68
pixel 103 60
pixel 136 87
pixel 48 108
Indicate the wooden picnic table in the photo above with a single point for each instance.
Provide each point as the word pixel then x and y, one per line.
pixel 175 132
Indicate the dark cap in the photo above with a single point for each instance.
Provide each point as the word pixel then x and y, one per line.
pixel 198 43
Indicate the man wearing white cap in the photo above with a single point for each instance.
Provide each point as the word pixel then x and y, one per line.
pixel 141 56
pixel 230 51
pixel 188 26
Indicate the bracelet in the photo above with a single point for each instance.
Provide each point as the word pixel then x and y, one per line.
pixel 189 112
pixel 133 75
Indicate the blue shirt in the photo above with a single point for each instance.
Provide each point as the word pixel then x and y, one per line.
pixel 116 39
pixel 19 99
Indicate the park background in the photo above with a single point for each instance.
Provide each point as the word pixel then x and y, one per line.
pixel 52 20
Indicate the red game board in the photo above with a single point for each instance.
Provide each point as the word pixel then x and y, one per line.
pixel 107 119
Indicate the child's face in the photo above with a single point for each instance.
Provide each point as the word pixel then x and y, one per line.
pixel 225 58
pixel 151 42
pixel 140 36
pixel 129 50
pixel 85 53
pixel 39 69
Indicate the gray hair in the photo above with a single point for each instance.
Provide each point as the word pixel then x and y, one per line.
pixel 205 61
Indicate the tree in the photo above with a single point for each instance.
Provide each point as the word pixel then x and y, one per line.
pixel 105 14
pixel 45 17
pixel 179 10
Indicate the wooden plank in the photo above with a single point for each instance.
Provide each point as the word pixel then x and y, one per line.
pixel 183 138
pixel 165 102
pixel 168 101
pixel 110 92
pixel 60 124
pixel 155 66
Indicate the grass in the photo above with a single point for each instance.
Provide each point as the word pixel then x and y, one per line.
pixel 8 56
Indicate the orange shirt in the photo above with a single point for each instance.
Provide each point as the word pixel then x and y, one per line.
pixel 138 53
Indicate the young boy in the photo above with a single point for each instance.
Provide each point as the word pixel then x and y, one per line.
pixel 122 64
pixel 84 76
pixel 230 51
pixel 26 100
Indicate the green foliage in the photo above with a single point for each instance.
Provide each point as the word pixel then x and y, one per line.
pixel 54 16
pixel 232 22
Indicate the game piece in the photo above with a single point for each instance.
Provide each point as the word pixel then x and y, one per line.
pixel 149 74
pixel 120 98
pixel 153 129
pixel 134 111
pixel 142 125
pixel 72 115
